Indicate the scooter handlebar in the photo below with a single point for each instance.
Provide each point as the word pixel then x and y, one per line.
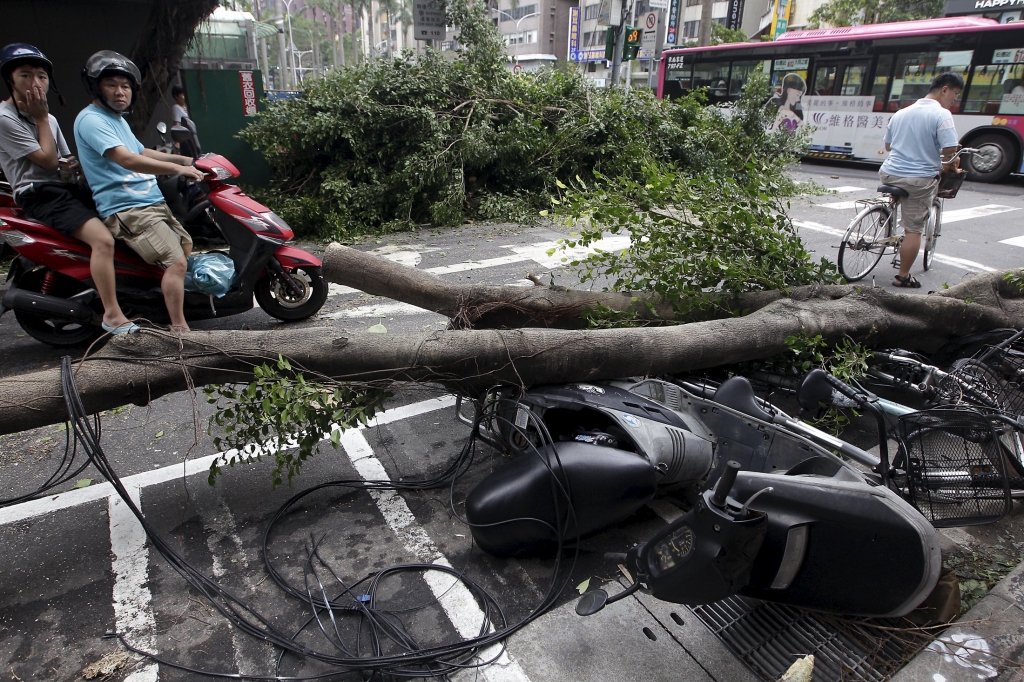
pixel 725 483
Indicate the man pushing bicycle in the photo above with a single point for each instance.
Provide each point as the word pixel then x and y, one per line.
pixel 921 141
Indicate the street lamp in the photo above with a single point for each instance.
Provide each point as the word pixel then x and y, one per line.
pixel 300 53
pixel 291 42
pixel 526 16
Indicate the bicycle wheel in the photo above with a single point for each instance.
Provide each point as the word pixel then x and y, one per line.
pixel 864 242
pixel 932 230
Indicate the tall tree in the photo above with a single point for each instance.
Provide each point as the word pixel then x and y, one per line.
pixel 160 47
pixel 857 12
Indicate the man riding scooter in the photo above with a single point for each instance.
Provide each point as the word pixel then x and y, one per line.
pixel 121 173
pixel 32 153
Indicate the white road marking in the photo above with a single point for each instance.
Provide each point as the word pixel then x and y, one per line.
pixel 378 310
pixel 848 188
pixel 133 608
pixel 940 258
pixel 959 214
pixel 840 205
pixel 477 264
pixel 818 227
pixel 452 594
pixel 538 253
pixel 200 465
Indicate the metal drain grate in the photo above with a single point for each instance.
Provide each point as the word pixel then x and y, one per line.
pixel 768 638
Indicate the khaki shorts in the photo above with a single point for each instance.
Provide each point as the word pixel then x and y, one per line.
pixel 150 231
pixel 914 209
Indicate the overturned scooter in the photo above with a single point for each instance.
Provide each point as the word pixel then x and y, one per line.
pixel 777 515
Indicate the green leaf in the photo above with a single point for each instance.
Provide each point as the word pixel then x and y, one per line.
pixel 378 329
pixel 83 483
pixel 583 586
pixel 159 434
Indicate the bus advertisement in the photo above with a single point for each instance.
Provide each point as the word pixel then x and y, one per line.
pixel 843 84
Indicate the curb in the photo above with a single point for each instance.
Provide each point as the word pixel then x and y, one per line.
pixel 985 643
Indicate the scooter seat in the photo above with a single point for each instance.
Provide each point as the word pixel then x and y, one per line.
pixel 897 192
pixel 738 394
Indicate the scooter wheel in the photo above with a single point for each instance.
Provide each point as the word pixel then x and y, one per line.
pixel 278 300
pixel 53 332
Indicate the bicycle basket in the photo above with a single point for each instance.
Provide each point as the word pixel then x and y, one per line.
pixel 950 182
pixel 991 380
pixel 955 469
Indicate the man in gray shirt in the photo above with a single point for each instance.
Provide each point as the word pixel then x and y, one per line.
pixel 920 139
pixel 32 152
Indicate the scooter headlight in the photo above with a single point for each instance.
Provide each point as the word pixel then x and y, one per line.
pixel 220 173
pixel 16 238
pixel 671 550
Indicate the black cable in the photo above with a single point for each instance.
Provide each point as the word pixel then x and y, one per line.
pixel 386 631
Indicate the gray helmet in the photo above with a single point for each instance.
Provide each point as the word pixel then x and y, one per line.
pixel 110 63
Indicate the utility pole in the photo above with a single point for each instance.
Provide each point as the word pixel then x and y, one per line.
pixel 704 36
pixel 282 68
pixel 620 43
pixel 629 65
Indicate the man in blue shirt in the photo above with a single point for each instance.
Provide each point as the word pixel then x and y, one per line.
pixel 121 174
pixel 921 141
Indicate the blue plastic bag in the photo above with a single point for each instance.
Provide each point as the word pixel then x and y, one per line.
pixel 210 273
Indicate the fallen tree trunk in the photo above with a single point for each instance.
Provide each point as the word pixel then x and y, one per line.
pixel 480 306
pixel 137 368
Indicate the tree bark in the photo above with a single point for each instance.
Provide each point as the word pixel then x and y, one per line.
pixel 136 368
pixel 160 48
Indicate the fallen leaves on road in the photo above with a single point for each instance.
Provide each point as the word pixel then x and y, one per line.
pixel 583 586
pixel 83 483
pixel 106 666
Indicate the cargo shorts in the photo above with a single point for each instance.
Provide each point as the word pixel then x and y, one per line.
pixel 150 231
pixel 914 209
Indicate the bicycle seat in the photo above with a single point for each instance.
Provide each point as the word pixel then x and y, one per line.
pixel 738 394
pixel 897 192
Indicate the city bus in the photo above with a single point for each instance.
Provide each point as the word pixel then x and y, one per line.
pixel 843 84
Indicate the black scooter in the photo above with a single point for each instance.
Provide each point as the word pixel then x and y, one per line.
pixel 775 514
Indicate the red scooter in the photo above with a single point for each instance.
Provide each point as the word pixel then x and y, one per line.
pixel 51 292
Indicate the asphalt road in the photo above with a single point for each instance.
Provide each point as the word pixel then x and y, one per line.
pixel 76 566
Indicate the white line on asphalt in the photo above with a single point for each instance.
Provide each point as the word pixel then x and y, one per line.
pixel 1014 241
pixel 840 205
pixel 133 608
pixel 100 491
pixel 452 594
pixel 477 264
pixel 378 310
pixel 959 214
pixel 818 227
pixel 948 260
pixel 847 188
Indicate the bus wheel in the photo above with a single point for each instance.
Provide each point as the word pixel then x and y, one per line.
pixel 993 161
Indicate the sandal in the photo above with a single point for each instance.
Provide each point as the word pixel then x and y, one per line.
pixel 908 282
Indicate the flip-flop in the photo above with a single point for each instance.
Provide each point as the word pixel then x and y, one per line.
pixel 120 329
pixel 908 282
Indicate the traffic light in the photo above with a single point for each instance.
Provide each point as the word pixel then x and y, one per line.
pixel 631 47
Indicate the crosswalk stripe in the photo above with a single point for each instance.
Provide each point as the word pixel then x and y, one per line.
pixel 840 205
pixel 847 188
pixel 959 214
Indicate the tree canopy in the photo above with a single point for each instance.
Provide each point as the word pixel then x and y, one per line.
pixel 857 12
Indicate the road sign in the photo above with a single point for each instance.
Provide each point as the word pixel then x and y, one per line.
pixel 658 4
pixel 428 20
pixel 649 44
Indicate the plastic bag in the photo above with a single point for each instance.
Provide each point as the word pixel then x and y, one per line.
pixel 210 273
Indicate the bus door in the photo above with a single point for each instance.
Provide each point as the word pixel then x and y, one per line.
pixel 834 77
pixel 837 107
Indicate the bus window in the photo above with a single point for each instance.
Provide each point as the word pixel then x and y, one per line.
pixel 677 76
pixel 714 76
pixel 825 79
pixel 740 75
pixel 915 71
pixel 880 85
pixel 853 79
pixel 996 89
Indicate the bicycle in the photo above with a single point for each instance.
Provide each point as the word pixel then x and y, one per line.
pixel 874 229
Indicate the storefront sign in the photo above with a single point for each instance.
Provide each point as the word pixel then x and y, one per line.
pixel 248 93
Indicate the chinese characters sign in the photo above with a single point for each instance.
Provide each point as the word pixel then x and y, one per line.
pixel 248 93
pixel 428 20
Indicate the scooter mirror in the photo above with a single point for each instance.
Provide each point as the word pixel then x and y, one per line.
pixel 814 391
pixel 161 128
pixel 591 602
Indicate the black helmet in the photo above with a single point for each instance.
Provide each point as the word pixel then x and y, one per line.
pixel 22 53
pixel 110 63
